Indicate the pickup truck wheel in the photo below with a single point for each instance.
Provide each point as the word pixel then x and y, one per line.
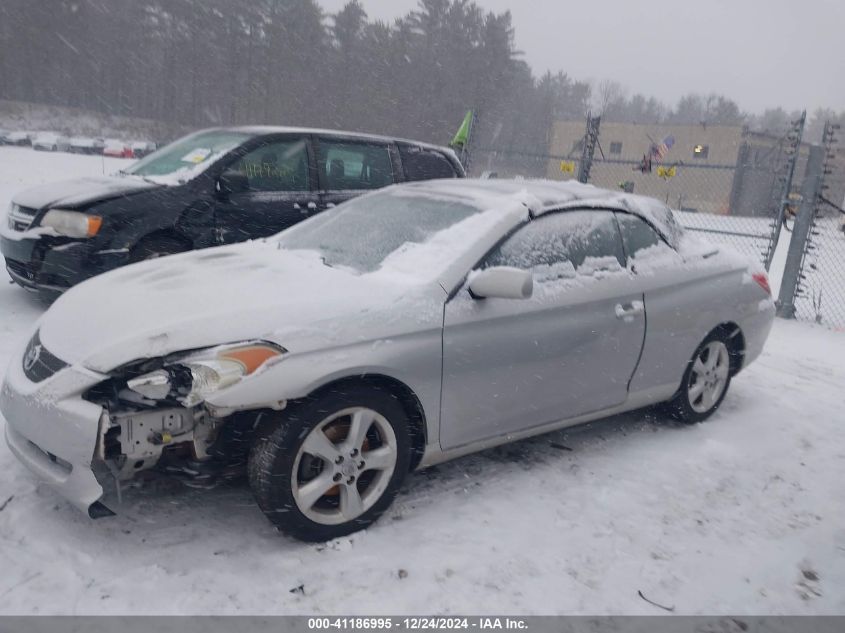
pixel 156 246
pixel 333 464
pixel 705 382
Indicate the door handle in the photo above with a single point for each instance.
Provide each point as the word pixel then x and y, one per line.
pixel 629 310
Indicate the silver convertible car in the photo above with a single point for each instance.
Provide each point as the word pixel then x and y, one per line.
pixel 398 330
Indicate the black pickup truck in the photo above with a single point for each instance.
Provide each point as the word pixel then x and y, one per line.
pixel 212 187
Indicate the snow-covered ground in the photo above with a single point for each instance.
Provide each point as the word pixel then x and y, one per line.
pixel 21 115
pixel 823 296
pixel 744 514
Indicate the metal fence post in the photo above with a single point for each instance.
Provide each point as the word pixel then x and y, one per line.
pixel 591 139
pixel 793 149
pixel 810 190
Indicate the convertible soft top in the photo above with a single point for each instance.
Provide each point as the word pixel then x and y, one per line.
pixel 542 196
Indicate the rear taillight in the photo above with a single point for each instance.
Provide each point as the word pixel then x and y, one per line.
pixel 762 281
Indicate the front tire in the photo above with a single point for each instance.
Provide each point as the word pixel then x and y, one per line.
pixel 332 464
pixel 705 382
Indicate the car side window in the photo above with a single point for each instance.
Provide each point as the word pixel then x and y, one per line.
pixel 639 238
pixel 563 244
pixel 280 166
pixel 420 163
pixel 349 166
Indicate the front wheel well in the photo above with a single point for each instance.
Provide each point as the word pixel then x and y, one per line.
pixel 735 343
pixel 407 399
pixel 164 234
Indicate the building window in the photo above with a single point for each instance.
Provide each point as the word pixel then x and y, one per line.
pixel 700 151
pixel 616 147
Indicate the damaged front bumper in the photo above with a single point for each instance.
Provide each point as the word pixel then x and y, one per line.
pixel 77 447
pixel 53 431
pixel 54 264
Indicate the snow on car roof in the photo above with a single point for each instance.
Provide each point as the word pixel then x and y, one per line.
pixel 542 196
pixel 274 129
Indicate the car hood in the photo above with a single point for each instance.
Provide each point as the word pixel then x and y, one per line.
pixel 229 294
pixel 81 191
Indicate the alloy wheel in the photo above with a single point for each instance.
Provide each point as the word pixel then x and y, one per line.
pixel 344 466
pixel 709 376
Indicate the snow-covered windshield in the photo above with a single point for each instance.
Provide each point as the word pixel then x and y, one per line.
pixel 362 233
pixel 187 157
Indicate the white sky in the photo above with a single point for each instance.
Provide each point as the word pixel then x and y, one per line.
pixel 761 53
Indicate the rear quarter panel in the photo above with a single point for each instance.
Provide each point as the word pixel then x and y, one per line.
pixel 685 304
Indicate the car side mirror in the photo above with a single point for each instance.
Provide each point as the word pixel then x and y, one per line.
pixel 231 181
pixel 501 282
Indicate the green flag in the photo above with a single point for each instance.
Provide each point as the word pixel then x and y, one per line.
pixel 462 136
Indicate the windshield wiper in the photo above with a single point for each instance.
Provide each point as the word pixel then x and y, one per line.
pixel 123 172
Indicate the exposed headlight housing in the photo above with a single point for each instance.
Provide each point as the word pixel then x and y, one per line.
pixel 192 378
pixel 72 223
pixel 11 210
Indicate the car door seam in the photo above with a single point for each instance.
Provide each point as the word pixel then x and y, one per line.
pixel 642 344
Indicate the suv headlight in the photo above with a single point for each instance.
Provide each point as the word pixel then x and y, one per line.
pixel 11 210
pixel 72 223
pixel 192 378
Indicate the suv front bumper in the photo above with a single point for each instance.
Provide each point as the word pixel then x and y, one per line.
pixel 54 432
pixel 55 264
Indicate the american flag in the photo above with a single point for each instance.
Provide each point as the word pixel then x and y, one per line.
pixel 659 151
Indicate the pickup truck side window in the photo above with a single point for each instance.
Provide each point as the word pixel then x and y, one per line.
pixel 348 165
pixel 425 164
pixel 280 166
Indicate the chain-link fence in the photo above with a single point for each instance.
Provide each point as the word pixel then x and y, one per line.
pixel 743 200
pixel 489 162
pixel 744 204
pixel 820 296
pixel 818 291
pixel 734 188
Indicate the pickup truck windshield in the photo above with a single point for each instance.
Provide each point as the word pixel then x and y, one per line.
pixel 189 156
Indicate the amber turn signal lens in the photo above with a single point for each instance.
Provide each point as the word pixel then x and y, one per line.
pixel 94 224
pixel 251 357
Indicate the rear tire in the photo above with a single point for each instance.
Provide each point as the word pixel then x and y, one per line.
pixel 156 246
pixel 705 382
pixel 331 465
